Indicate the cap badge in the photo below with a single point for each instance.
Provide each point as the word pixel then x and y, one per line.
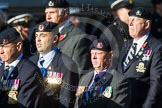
pixel 4 41
pixel 51 3
pixel 26 19
pixel 138 13
pixel 41 27
pixel 131 1
pixel 99 45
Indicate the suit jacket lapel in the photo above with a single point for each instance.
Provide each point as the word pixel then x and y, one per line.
pixel 55 60
pixel 35 59
pixel 1 70
pixel 140 52
pixel 16 70
pixel 68 28
pixel 88 79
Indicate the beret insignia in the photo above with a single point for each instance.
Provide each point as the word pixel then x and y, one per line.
pixel 51 3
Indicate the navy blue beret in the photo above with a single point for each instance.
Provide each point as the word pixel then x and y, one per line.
pixel 101 44
pixel 140 12
pixel 47 27
pixel 8 35
pixel 57 4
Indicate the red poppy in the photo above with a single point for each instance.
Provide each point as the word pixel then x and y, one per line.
pixel 61 37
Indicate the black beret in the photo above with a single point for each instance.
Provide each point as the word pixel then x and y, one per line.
pixel 101 44
pixel 117 4
pixel 140 12
pixel 22 19
pixel 57 4
pixel 8 35
pixel 156 2
pixel 47 27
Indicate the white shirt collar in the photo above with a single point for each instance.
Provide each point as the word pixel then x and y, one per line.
pixel 67 23
pixel 141 41
pixel 14 63
pixel 48 58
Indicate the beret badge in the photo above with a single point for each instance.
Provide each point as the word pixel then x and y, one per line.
pixel 4 41
pixel 51 3
pixel 131 1
pixel 138 13
pixel 41 27
pixel 99 45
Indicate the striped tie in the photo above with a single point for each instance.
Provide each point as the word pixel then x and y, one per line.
pixel 130 55
pixel 6 72
pixel 41 61
pixel 88 93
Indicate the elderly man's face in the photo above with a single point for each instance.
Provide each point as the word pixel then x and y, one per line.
pixel 52 15
pixel 9 52
pixel 138 27
pixel 100 59
pixel 44 42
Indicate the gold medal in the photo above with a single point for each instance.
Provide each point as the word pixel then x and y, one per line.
pixel 141 67
pixel 12 97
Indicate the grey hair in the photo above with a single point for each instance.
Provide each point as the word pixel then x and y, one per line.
pixel 63 10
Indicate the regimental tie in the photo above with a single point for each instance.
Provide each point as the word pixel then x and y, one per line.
pixel 6 72
pixel 41 61
pixel 89 92
pixel 130 55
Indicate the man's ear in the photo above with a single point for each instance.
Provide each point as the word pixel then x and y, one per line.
pixel 147 24
pixel 19 46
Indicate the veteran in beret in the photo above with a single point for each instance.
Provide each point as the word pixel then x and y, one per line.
pixel 72 41
pixel 21 82
pixel 102 87
pixel 59 71
pixel 141 61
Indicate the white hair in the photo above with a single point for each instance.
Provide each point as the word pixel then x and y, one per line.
pixel 62 11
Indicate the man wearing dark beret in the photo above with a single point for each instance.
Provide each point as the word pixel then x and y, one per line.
pixel 21 82
pixel 102 87
pixel 156 28
pixel 141 61
pixel 73 42
pixel 59 71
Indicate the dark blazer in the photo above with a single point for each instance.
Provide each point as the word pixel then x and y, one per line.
pixel 61 96
pixel 145 73
pixel 76 45
pixel 30 86
pixel 120 35
pixel 120 91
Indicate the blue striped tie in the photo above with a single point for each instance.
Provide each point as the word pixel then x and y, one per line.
pixel 41 61
pixel 130 55
pixel 89 92
pixel 6 72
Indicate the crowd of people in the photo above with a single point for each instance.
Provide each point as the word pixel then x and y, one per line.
pixel 58 64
